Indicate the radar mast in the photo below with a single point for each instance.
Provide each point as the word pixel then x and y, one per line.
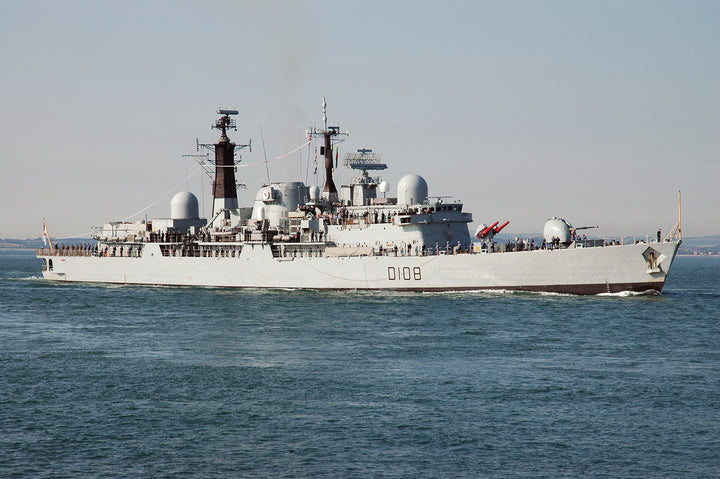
pixel 331 135
pixel 224 184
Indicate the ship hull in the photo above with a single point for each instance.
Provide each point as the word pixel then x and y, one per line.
pixel 641 267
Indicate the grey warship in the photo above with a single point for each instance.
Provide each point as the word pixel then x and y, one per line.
pixel 355 238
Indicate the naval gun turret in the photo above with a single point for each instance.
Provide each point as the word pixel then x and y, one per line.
pixel 559 232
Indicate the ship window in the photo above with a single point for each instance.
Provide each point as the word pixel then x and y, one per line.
pixel 50 265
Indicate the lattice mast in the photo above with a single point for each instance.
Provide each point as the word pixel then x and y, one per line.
pixel 331 135
pixel 224 183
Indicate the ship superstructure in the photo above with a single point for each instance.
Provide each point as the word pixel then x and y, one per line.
pixel 356 237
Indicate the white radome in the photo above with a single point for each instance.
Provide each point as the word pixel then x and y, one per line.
pixel 184 206
pixel 412 190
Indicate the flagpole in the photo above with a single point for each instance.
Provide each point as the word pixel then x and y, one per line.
pixel 680 214
pixel 46 237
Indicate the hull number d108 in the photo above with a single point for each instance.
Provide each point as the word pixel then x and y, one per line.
pixel 404 274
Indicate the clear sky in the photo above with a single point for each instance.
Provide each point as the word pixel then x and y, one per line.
pixel 598 112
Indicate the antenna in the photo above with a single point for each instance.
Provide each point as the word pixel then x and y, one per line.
pixel 262 139
pixel 225 122
pixel 364 159
pixel 324 105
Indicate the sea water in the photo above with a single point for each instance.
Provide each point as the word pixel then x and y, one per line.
pixel 129 381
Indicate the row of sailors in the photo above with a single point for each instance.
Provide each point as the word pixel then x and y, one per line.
pixel 342 215
pixel 74 250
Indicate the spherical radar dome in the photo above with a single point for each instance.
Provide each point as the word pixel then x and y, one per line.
pixel 412 190
pixel 184 206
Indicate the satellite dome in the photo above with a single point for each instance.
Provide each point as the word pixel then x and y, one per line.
pixel 314 193
pixel 384 186
pixel 557 228
pixel 412 190
pixel 184 206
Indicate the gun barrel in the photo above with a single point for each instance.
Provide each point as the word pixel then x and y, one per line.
pixel 585 227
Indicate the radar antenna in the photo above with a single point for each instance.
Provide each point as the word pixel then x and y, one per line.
pixel 223 124
pixel 364 159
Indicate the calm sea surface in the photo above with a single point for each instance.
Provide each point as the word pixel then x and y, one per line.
pixel 126 381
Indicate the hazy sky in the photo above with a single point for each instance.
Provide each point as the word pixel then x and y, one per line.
pixel 598 112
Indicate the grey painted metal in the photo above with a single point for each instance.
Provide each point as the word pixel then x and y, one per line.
pixel 292 237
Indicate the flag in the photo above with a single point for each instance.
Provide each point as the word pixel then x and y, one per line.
pixel 45 233
pixel 46 236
